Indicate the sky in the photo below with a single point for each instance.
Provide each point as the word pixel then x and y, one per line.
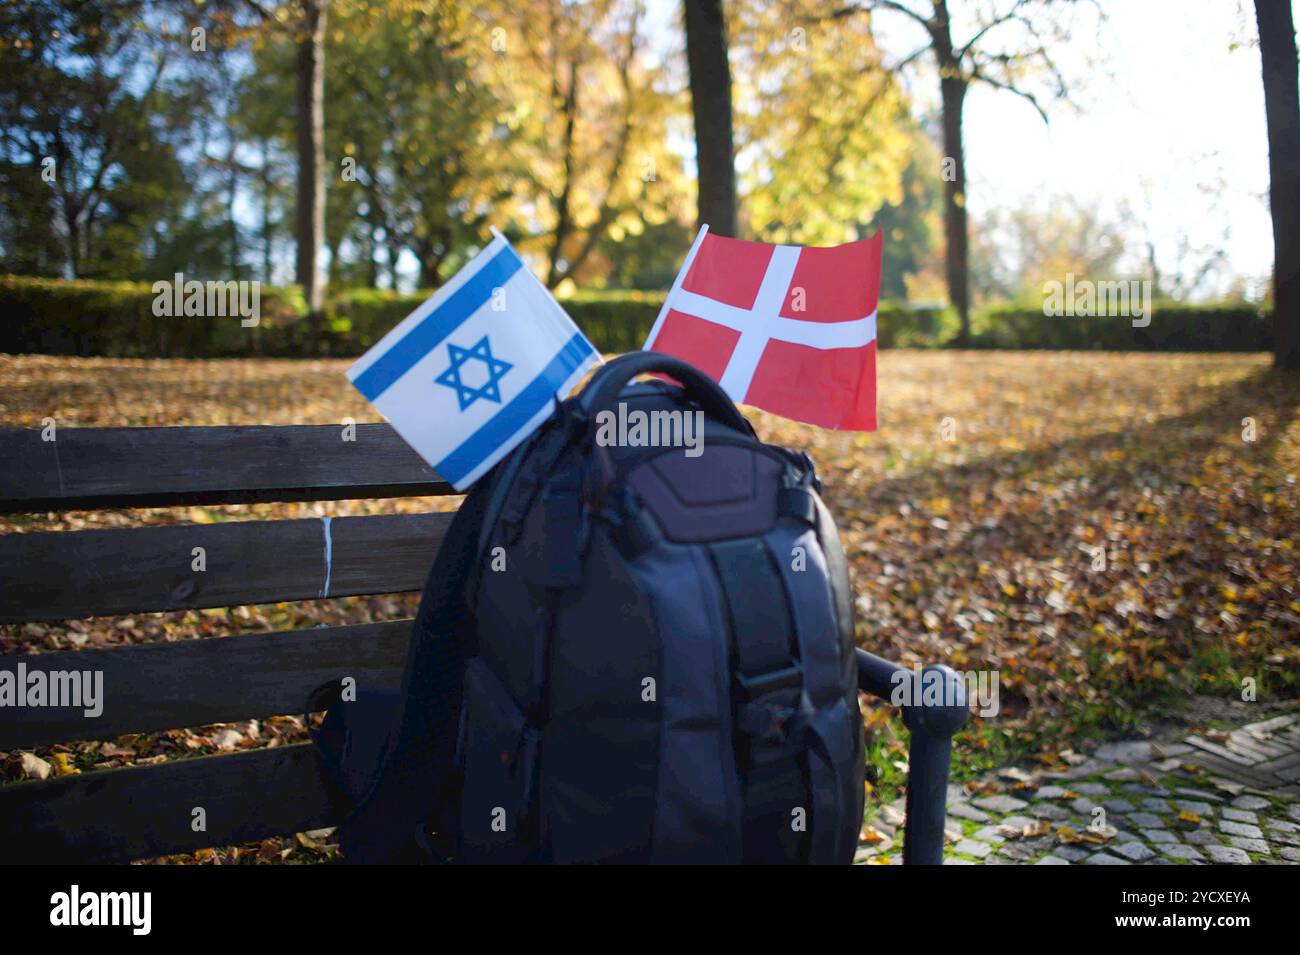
pixel 1168 119
pixel 1175 109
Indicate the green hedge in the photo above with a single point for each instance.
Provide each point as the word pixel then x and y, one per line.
pixel 116 319
pixel 614 321
pixel 899 325
pixel 1170 328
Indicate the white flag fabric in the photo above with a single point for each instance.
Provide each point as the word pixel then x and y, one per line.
pixel 477 367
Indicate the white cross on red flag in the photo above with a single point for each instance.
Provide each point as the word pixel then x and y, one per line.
pixel 788 329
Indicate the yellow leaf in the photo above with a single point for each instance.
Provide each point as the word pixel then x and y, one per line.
pixel 62 767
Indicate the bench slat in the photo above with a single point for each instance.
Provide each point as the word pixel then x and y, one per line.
pixel 164 686
pixel 62 575
pixel 91 468
pixel 121 814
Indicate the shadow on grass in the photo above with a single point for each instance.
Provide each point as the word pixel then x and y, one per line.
pixel 1181 504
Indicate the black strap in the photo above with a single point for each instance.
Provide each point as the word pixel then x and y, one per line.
pixel 767 691
pixel 607 384
pixel 389 823
pixel 567 427
pixel 850 796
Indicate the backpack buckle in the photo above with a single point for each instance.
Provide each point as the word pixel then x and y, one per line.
pixel 769 703
pixel 764 684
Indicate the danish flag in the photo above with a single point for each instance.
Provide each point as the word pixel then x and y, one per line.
pixel 787 329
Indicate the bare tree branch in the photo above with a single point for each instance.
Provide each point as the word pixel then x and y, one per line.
pixel 872 5
pixel 1012 14
pixel 977 74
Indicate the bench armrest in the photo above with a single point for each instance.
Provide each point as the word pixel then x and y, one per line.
pixel 932 728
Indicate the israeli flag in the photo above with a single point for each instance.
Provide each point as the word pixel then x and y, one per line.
pixel 477 367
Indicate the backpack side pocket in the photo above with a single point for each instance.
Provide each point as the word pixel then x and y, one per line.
pixel 499 748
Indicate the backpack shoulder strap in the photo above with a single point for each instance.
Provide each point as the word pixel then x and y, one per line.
pixel 415 783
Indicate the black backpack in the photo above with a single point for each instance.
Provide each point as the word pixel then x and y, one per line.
pixel 624 653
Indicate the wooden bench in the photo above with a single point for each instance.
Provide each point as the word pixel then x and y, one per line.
pixel 121 814
pixel 116 815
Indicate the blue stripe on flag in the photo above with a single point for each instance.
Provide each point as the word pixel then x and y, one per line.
pixel 506 422
pixel 438 324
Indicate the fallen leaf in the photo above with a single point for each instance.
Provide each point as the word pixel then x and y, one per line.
pixel 226 739
pixel 1016 775
pixel 62 765
pixel 34 767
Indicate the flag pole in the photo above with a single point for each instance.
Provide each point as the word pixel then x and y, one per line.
pixel 677 284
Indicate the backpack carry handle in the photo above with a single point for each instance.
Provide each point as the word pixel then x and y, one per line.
pixel 605 386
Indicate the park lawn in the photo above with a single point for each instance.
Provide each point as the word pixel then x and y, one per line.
pixel 1113 534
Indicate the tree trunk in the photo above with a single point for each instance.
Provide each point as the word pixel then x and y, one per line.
pixel 706 54
pixel 311 155
pixel 1277 47
pixel 954 205
pixel 74 241
pixel 428 265
pixel 563 211
pixel 232 191
pixel 372 256
pixel 268 229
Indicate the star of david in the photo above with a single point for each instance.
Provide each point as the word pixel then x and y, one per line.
pixel 468 394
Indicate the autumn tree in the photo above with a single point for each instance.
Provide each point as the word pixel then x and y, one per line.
pixel 304 23
pixel 582 132
pixel 310 114
pixel 1277 46
pixel 415 165
pixel 1007 46
pixel 822 127
pixel 86 160
pixel 1018 247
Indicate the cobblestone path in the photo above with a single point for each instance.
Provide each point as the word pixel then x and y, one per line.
pixel 1223 797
